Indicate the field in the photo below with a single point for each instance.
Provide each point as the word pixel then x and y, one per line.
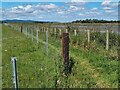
pixel 92 66
pixel 0 56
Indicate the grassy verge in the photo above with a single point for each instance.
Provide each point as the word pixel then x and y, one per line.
pixel 35 69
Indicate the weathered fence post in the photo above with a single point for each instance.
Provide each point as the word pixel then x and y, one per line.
pixel 21 29
pixel 44 29
pixel 107 40
pixel 65 51
pixel 88 34
pixel 37 36
pixel 15 77
pixel 75 32
pixel 32 34
pixel 46 43
pixel 66 30
pixel 60 31
pixel 55 31
pixel 41 29
pixel 26 31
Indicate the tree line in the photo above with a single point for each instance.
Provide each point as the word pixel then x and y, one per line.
pixel 95 21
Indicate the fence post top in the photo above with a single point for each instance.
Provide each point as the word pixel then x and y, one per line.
pixel 13 58
pixel 46 31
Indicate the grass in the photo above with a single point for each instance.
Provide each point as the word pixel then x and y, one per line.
pixel 0 56
pixel 36 70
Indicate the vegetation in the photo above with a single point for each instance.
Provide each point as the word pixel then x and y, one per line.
pixel 94 21
pixel 91 65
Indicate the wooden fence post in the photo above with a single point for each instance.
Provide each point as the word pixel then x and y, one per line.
pixel 60 31
pixel 55 31
pixel 75 32
pixel 37 36
pixel 32 34
pixel 65 51
pixel 107 40
pixel 46 43
pixel 66 30
pixel 15 76
pixel 21 29
pixel 88 33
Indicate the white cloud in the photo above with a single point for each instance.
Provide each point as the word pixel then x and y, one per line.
pixel 15 10
pixel 28 7
pixel 78 0
pixel 76 3
pixel 60 12
pixel 20 7
pixel 115 4
pixel 29 11
pixel 93 13
pixel 109 11
pixel 32 8
pixel 107 8
pixel 73 8
pixel 37 11
pixel 106 2
pixel 45 11
pixel 110 3
pixel 47 6
pixel 94 9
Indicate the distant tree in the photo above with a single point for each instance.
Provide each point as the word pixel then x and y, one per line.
pixel 95 21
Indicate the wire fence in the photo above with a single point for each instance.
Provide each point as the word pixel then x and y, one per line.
pixel 81 42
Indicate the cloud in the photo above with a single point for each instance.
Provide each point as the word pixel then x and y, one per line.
pixel 60 12
pixel 20 7
pixel 106 2
pixel 109 3
pixel 94 9
pixel 27 7
pixel 32 8
pixel 73 8
pixel 92 13
pixel 76 3
pixel 50 6
pixel 110 7
pixel 30 11
pixel 52 11
pixel 109 11
pixel 46 6
pixel 115 4
pixel 78 0
pixel 107 8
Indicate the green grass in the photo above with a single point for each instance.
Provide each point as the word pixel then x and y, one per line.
pixel 91 69
pixel 32 62
pixel 0 56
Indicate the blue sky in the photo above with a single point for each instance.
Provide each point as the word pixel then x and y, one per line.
pixel 59 11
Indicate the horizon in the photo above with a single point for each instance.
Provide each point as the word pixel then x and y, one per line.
pixel 59 11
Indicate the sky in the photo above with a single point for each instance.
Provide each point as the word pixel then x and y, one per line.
pixel 64 11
